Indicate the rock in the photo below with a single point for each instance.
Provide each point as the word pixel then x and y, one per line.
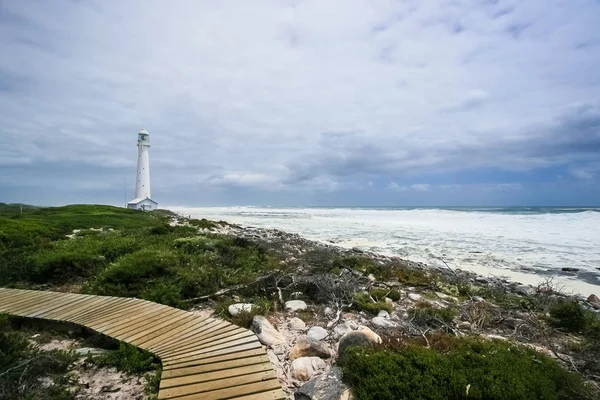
pixel 304 368
pixel 478 299
pixel 569 269
pixel 85 351
pixel 363 336
pixel 306 347
pixel 328 311
pixel 389 301
pixel 295 305
pixel 340 330
pixel 382 322
pixel 371 277
pixel 414 296
pixel 266 333
pixel 494 337
pixel 525 290
pixel 328 386
pixel 296 324
pixel 352 324
pixel 317 333
pixel 594 300
pixel 383 314
pixel 238 308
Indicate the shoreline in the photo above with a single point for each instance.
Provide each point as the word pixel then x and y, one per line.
pixel 513 281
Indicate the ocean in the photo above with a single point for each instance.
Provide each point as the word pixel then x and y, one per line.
pixel 524 244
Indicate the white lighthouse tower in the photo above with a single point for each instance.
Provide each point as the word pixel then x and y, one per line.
pixel 142 199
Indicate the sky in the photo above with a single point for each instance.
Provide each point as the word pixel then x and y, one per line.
pixel 301 102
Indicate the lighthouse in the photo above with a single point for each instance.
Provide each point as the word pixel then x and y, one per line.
pixel 142 199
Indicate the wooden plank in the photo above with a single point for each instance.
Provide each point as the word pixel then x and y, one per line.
pixel 141 319
pixel 24 305
pixel 170 334
pixel 215 375
pixel 159 328
pixel 87 316
pixel 47 305
pixel 88 308
pixel 25 299
pixel 150 323
pixel 173 370
pixel 209 367
pixel 10 297
pixel 236 386
pixel 211 344
pixel 190 336
pixel 234 347
pixel 117 315
pixel 276 394
pixel 203 358
pixel 209 338
pixel 67 302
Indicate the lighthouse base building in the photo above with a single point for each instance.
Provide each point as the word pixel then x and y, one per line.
pixel 145 204
pixel 142 199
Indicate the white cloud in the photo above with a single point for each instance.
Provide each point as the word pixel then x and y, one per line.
pixel 309 95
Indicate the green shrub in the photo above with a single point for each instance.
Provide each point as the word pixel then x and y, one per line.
pixel 472 369
pixel 22 365
pixel 203 224
pixel 569 315
pixel 381 294
pixel 425 314
pixel 127 358
pixel 362 301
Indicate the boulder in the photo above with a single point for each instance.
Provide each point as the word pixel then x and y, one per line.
pixel 328 386
pixel 306 347
pixel 266 333
pixel 363 336
pixel 295 305
pixel 238 308
pixel 304 368
pixel 296 324
pixel 317 333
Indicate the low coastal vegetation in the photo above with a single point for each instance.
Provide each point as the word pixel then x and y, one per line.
pixel 435 324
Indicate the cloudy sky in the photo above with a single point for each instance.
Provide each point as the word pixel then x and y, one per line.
pixel 345 102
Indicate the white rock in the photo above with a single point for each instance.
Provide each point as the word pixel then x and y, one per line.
pixel 383 322
pixel 238 308
pixel 414 296
pixel 296 324
pixel 478 299
pixel 371 277
pixel 304 368
pixel 295 305
pixel 317 333
pixel 340 330
pixel 352 324
pixel 266 333
pixel 383 314
pixel 389 301
pixel 442 296
pixel 328 311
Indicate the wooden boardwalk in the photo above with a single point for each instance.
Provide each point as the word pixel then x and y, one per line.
pixel 202 358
